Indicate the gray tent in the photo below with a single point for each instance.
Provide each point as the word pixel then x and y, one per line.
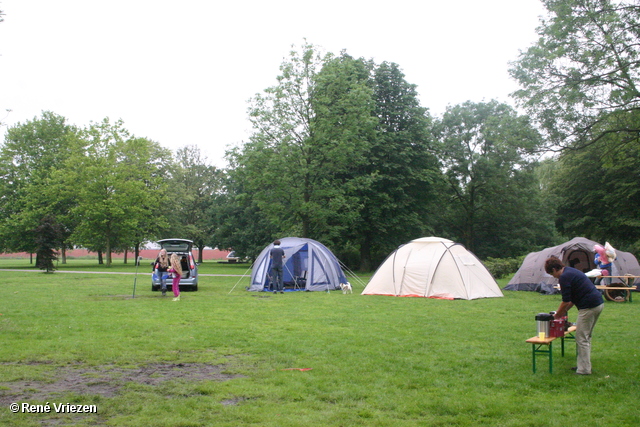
pixel 309 266
pixel 578 253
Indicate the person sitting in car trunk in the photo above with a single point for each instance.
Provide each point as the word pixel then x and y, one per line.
pixel 161 266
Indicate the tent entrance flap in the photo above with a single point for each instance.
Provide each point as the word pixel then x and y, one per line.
pixel 579 259
pixel 294 268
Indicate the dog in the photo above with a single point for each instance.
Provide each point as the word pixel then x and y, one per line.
pixel 346 288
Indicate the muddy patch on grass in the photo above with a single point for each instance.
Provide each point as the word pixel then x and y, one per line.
pixel 235 401
pixel 107 380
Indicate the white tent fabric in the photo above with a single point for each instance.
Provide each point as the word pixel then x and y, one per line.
pixel 433 267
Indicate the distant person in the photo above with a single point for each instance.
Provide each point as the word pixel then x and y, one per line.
pixel 176 273
pixel 277 255
pixel 578 290
pixel 604 264
pixel 160 267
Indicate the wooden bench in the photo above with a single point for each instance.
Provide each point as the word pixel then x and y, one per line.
pixel 537 344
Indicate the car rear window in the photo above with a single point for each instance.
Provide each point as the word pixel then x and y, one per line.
pixel 176 246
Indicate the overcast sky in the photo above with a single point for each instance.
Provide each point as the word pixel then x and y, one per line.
pixel 182 73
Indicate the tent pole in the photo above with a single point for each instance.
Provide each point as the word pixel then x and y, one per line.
pixel 295 282
pixel 243 276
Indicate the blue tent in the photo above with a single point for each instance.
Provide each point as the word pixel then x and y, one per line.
pixel 309 266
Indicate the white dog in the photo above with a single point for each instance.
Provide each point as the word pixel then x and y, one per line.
pixel 346 288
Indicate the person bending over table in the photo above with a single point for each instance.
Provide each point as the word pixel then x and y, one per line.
pixel 577 290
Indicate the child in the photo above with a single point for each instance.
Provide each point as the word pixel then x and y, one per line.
pixel 160 267
pixel 176 272
pixel 602 261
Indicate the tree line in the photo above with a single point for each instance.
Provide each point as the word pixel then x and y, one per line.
pixel 343 152
pixel 100 187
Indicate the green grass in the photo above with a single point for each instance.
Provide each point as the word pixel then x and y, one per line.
pixel 374 361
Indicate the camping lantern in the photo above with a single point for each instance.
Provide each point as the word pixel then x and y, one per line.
pixel 543 321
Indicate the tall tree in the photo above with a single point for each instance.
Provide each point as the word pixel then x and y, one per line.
pixel 599 193
pixel 32 153
pixel 337 153
pixel 580 80
pixel 491 186
pixel 280 153
pixel 193 187
pixel 340 154
pixel 152 168
pixel 400 171
pixel 120 190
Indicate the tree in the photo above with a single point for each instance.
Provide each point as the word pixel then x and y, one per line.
pixel 151 167
pixel 121 189
pixel 194 186
pixel 311 133
pixel 579 81
pixel 340 154
pixel 599 193
pixel 32 153
pixel 343 129
pixel 493 203
pixel 283 163
pixel 48 238
pixel 305 161
pixel 398 176
pixel 280 160
pixel 237 220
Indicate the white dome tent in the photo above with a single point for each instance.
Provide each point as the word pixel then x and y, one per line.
pixel 432 267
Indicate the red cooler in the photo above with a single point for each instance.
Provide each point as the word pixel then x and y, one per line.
pixel 557 327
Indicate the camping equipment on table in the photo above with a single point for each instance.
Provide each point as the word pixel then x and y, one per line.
pixel 557 327
pixel 552 328
pixel 543 321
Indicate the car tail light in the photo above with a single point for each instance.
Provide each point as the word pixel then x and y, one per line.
pixel 191 263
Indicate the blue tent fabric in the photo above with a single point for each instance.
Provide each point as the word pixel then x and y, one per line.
pixel 308 266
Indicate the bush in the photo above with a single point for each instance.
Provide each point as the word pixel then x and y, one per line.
pixel 503 267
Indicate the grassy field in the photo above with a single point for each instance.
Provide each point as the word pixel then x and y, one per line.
pixel 235 358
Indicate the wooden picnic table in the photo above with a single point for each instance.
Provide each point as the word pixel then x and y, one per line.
pixel 619 292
